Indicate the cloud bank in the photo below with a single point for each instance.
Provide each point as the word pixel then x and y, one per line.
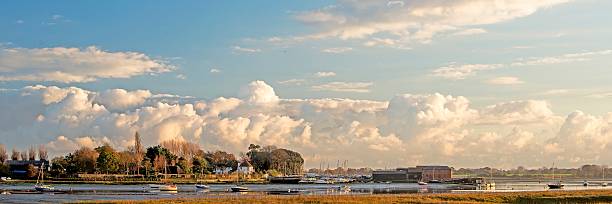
pixel 399 23
pixel 408 129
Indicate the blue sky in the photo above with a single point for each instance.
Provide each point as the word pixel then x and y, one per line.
pixel 519 58
pixel 198 36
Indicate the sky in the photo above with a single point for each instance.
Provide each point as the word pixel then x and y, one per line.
pixel 466 83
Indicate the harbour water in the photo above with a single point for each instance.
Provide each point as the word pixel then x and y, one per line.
pixel 22 193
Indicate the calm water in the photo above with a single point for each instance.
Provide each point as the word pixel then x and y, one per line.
pixel 83 192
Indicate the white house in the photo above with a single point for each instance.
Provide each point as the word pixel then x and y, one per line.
pixel 222 170
pixel 245 167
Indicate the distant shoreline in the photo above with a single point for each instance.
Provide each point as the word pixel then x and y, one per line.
pixel 583 196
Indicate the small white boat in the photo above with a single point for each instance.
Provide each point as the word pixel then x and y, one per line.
pixel 422 183
pixel 344 188
pixel 168 187
pixel 164 187
pixel 202 186
pixel 321 181
pixel 239 189
pixel 585 183
pixel 5 178
pixel 604 184
pixel 154 186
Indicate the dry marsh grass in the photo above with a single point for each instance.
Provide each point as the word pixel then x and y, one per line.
pixel 592 196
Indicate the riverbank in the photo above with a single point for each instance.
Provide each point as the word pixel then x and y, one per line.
pixel 586 196
pixel 139 182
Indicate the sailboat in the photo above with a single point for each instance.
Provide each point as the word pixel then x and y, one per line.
pixel 491 183
pixel 433 178
pixel 164 187
pixel 554 184
pixel 603 177
pixel 40 186
pixel 239 187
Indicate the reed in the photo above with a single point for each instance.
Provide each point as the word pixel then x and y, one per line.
pixel 590 196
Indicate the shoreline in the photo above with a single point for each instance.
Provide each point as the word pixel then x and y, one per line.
pixel 582 196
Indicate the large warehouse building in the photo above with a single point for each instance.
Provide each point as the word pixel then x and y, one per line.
pixel 414 174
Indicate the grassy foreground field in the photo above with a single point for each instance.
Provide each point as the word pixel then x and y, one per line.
pixel 591 196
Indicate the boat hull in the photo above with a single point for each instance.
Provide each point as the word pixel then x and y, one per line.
pixel 44 188
pixel 239 189
pixel 285 180
pixel 202 187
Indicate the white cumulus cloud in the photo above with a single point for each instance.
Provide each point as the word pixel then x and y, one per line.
pixel 67 65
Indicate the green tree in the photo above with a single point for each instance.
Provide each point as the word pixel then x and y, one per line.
pixel 156 151
pixel 185 165
pixel 59 167
pixel 260 158
pixel 107 160
pixel 4 170
pixel 286 161
pixel 221 159
pixel 200 165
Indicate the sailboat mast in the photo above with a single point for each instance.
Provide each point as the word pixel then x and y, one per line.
pixel 553 171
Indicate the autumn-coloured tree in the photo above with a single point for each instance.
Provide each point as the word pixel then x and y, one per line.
pixel 84 160
pixel 24 155
pixel 32 153
pixel 15 155
pixel 138 152
pixel 125 159
pixel 31 171
pixel 159 164
pixel 42 153
pixel 3 155
pixel 184 150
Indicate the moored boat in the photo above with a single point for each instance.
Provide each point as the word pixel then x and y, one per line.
pixel 295 179
pixel 555 185
pixel 43 188
pixel 239 189
pixel 422 183
pixel 202 186
pixel 168 187
pixel 40 186
pixel 434 181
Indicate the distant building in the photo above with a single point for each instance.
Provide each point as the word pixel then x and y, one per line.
pixel 390 175
pixel 245 167
pixel 19 168
pixel 441 173
pixel 413 174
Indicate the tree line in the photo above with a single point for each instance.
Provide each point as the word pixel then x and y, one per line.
pixel 25 155
pixel 158 159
